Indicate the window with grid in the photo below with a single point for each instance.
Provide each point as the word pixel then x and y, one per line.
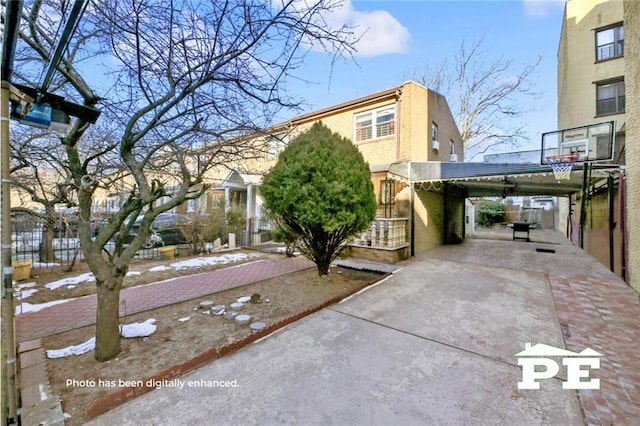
pixel 610 43
pixel 384 120
pixel 610 97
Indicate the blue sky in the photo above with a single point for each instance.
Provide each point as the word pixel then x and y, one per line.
pixel 405 36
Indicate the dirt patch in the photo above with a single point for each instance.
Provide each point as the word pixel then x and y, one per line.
pixel 177 341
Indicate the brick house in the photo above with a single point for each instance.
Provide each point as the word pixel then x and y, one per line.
pixel 403 124
pixel 393 129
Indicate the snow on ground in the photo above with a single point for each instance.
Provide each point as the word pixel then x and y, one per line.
pixel 136 329
pixel 158 268
pixel 212 260
pixel 24 307
pixel 44 264
pixel 133 273
pixel 27 293
pixel 71 281
pixel 80 349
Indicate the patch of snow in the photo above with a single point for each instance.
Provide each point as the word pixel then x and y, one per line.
pixel 66 416
pixel 138 329
pixel 133 273
pixel 44 264
pixel 128 330
pixel 244 299
pixel 71 281
pixel 183 319
pixel 211 260
pixel 27 293
pixel 23 308
pixel 158 268
pixel 80 349
pixel 25 285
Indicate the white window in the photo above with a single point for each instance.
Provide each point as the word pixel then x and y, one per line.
pixel 609 43
pixel 384 119
pixel 434 132
pixel 452 147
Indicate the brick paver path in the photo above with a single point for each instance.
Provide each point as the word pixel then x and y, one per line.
pixel 603 314
pixel 82 311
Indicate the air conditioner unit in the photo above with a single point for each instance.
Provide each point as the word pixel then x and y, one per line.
pixel 454 158
pixel 435 145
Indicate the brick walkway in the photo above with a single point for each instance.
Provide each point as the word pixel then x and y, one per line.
pixel 603 314
pixel 82 311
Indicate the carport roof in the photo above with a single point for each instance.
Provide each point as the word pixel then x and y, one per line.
pixel 495 179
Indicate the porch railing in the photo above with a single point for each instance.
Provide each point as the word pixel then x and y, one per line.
pixel 385 233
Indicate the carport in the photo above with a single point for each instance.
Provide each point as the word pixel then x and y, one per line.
pixel 458 181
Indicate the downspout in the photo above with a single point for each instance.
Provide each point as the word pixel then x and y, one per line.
pixel 412 229
pixel 398 121
pixel 622 211
pixel 612 223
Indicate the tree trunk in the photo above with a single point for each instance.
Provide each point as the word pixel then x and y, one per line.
pixel 47 253
pixel 107 319
pixel 323 265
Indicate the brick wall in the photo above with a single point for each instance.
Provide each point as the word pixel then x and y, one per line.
pixel 632 146
pixel 429 220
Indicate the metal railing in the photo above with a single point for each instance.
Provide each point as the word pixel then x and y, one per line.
pixel 61 248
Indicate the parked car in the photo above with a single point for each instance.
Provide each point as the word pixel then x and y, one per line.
pixel 165 230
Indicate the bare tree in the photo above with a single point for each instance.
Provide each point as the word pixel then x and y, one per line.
pixel 485 95
pixel 38 174
pixel 177 81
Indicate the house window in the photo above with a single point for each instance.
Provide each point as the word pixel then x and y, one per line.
pixel 384 119
pixel 610 97
pixel 452 147
pixel 385 124
pixel 609 43
pixel 434 132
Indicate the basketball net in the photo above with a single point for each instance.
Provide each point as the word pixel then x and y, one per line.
pixel 562 165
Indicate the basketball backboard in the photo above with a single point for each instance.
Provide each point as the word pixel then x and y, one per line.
pixel 593 142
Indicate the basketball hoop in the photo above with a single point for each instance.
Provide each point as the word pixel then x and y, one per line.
pixel 562 165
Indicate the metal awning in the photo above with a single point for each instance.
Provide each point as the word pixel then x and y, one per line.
pixel 504 179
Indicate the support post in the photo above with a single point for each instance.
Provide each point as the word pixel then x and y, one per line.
pixel 9 366
pixel 583 203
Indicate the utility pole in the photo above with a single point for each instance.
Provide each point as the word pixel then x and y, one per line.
pixel 9 413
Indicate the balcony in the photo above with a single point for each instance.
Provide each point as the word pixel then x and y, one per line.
pixel 386 240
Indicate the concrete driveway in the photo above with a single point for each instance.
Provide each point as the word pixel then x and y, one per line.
pixel 432 344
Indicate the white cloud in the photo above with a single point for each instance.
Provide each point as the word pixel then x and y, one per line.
pixel 541 8
pixel 379 33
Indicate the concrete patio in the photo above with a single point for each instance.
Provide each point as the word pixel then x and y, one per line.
pixel 432 344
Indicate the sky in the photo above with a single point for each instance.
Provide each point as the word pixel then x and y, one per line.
pixel 405 36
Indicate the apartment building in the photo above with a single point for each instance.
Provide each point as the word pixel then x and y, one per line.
pixel 592 89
